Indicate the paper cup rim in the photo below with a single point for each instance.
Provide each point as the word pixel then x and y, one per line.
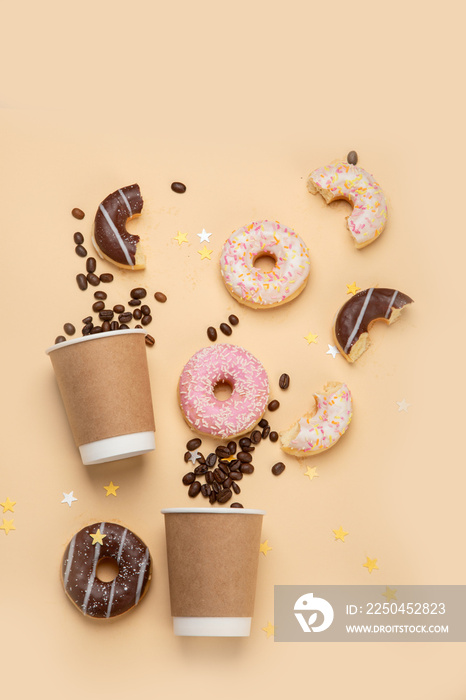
pixel 95 336
pixel 232 511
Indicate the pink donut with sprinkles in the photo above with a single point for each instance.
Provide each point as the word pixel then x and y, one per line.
pixel 223 364
pixel 253 286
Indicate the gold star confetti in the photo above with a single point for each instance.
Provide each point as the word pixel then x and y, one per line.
pixel 111 489
pixel 311 338
pixel 97 537
pixel 340 534
pixel 352 288
pixel 205 253
pixel 264 548
pixel 269 630
pixel 8 505
pixel 7 526
pixel 370 564
pixel 311 472
pixel 181 238
pixel 389 593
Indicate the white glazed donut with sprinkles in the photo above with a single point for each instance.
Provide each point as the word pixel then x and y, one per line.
pixel 257 288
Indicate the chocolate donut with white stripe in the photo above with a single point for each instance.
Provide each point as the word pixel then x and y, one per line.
pixel 355 318
pixel 105 599
pixel 110 237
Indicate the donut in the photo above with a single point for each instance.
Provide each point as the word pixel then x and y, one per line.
pixel 322 427
pixel 223 364
pixel 354 319
pixel 340 180
pixel 104 599
pixel 257 288
pixel 110 237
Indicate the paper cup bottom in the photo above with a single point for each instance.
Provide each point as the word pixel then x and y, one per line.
pixel 119 447
pixel 212 626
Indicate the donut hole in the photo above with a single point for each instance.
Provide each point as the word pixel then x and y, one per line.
pixel 265 261
pixel 223 391
pixel 107 569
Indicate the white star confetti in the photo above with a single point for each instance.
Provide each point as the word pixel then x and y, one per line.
pixel 69 498
pixel 403 405
pixel 204 236
pixel 194 455
pixel 332 350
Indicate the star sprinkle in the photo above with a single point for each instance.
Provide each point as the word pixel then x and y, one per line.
pixel 205 253
pixel 370 564
pixel 311 338
pixel 403 405
pixel 332 350
pixel 7 526
pixel 97 537
pixel 311 472
pixel 389 593
pixel 69 498
pixel 340 534
pixel 352 288
pixel 111 489
pixel 264 548
pixel 194 455
pixel 269 630
pixel 8 505
pixel 204 236
pixel 181 238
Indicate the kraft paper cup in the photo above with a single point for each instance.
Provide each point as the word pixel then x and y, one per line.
pixel 104 383
pixel 213 555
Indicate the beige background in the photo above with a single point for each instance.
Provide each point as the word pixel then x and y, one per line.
pixel 239 102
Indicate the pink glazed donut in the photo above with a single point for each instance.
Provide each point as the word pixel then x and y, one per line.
pixel 223 364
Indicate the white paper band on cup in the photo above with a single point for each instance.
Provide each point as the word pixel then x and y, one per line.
pixel 119 447
pixel 212 626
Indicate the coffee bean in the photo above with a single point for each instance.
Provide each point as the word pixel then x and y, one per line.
pixel 88 319
pixel 189 478
pixel 227 483
pixel 98 306
pixel 178 187
pixel 77 213
pixel 60 339
pixel 249 448
pixel 236 505
pixel 211 333
pixel 106 326
pixel 219 475
pixel 224 466
pixel 215 486
pixel 123 327
pixel 138 293
pixel 193 444
pixel 266 431
pixel 114 326
pixel 150 340
pixel 93 279
pixel 211 459
pixel 273 437
pixel 187 456
pixel 87 328
pixel 81 251
pixel 91 264
pixel 194 489
pixel 278 469
pixel 145 310
pixel 236 488
pixel 352 158
pixel 244 442
pixel 78 238
pixel 161 297
pixel 224 495
pixel 263 423
pixel 137 314
pixel 69 329
pixel 201 469
pixel 125 317
pixel 256 437
pixel 232 447
pixel 209 477
pixel 236 476
pixel 284 381
pixel 244 457
pixel 226 329
pixel 96 329
pixel 247 468
pixel 106 277
pixel 222 451
pixel 273 405
pixel 206 490
pixel 106 315
pixel 100 295
pixel 146 320
pixel 212 497
pixel 82 281
pixel 134 302
pixel 235 464
pixel 234 320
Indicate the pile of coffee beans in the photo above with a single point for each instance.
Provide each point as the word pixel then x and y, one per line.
pixel 225 328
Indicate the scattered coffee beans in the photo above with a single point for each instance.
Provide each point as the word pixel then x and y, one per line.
pixel 178 187
pixel 211 333
pixel 81 251
pixel 193 444
pixel 273 405
pixel 119 308
pixel 100 295
pixel 146 320
pixel 194 489
pixel 98 306
pixel 134 302
pixel 273 437
pixel 106 277
pixel 226 329
pixel 161 297
pixel 284 381
pixel 91 264
pixel 145 310
pixel 60 339
pixel 352 158
pixel 138 293
pixel 78 238
pixel 77 213
pixel 150 340
pixel 69 329
pixel 82 281
pixel 278 469
pixel 93 279
pixel 236 505
pixel 234 320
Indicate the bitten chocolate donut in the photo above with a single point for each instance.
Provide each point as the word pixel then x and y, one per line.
pixel 110 237
pixel 354 319
pixel 90 545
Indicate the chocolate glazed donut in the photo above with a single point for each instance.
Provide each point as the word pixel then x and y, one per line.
pixel 111 238
pixel 105 599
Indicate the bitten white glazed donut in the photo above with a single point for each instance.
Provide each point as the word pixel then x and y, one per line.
pixel 321 428
pixel 257 288
pixel 340 180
